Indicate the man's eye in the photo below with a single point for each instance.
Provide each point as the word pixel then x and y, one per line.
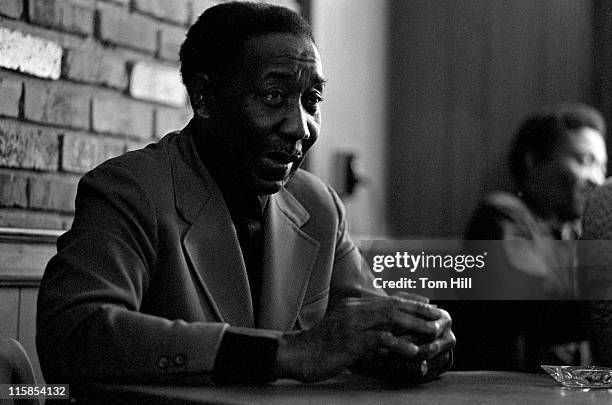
pixel 273 98
pixel 585 159
pixel 312 101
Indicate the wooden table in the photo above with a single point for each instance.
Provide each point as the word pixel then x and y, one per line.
pixel 455 388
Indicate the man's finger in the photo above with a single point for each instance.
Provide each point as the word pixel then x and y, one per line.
pixel 413 297
pixel 402 323
pixel 395 315
pixel 438 346
pixel 395 344
pixel 421 309
pixel 445 323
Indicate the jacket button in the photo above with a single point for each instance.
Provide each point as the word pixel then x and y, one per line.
pixel 179 360
pixel 163 362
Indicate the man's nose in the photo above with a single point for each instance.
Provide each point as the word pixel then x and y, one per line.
pixel 596 176
pixel 295 122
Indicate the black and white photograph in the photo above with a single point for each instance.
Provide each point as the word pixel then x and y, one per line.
pixel 305 202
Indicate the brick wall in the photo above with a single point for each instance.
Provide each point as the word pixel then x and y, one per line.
pixel 82 81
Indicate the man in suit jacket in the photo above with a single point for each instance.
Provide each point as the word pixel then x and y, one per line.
pixel 556 158
pixel 209 255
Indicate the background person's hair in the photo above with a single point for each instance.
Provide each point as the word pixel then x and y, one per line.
pixel 215 43
pixel 542 133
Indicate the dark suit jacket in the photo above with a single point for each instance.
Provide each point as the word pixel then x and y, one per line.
pixel 151 275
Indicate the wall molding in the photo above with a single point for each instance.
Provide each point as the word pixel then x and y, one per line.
pixel 25 253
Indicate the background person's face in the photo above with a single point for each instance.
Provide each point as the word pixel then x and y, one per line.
pixel 271 115
pixel 567 178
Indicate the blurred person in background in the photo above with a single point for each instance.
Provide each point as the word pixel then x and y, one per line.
pixel 556 158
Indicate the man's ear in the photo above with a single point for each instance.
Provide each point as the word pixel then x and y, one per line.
pixel 202 96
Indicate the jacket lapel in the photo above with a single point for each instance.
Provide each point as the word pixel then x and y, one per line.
pixel 288 258
pixel 211 243
pixel 212 246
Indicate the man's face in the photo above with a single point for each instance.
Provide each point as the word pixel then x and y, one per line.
pixel 567 178
pixel 270 116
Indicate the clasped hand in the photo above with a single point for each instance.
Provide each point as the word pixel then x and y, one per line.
pixel 388 336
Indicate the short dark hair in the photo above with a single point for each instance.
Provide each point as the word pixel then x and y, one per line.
pixel 214 44
pixel 542 133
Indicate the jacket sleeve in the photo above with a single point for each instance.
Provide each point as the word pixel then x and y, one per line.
pixel 88 322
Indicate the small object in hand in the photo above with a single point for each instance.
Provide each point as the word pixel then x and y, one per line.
pixel 581 376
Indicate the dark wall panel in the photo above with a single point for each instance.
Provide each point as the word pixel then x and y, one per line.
pixel 463 75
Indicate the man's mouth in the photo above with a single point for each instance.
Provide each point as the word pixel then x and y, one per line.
pixel 280 163
pixel 283 157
